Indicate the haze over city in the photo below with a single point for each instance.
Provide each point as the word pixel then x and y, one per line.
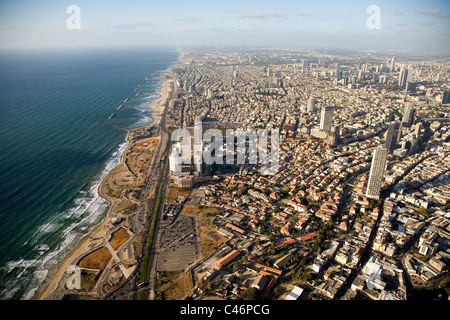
pixel 420 26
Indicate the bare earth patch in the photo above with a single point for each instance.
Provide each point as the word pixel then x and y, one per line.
pixel 118 238
pixel 96 260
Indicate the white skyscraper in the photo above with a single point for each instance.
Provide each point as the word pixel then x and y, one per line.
pixel 185 147
pixel 198 157
pixel 376 172
pixel 393 64
pixel 175 161
pixel 326 119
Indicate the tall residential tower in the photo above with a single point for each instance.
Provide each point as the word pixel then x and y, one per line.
pixel 376 172
pixel 392 135
pixel 408 115
pixel 403 77
pixel 326 119
pixel 311 105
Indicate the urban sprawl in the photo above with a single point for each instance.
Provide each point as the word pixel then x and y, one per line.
pixel 358 208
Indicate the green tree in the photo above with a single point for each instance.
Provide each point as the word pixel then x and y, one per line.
pixel 307 276
pixel 422 211
pixel 250 294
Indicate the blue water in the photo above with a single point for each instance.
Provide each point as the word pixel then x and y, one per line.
pixel 56 144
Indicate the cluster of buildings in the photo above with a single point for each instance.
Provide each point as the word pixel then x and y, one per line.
pixel 361 191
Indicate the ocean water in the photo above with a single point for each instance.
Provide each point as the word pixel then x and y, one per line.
pixel 57 143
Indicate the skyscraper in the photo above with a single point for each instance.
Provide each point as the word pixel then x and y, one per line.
pixel 311 105
pixel 393 64
pixel 376 172
pixel 198 157
pixel 175 161
pixel 408 115
pixel 305 64
pixel 403 77
pixel 391 136
pixel 326 119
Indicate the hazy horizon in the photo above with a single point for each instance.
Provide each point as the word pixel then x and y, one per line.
pixel 412 26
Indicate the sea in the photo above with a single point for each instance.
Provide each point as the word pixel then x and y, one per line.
pixel 57 142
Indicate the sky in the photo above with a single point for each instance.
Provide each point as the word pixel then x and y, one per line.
pixel 407 25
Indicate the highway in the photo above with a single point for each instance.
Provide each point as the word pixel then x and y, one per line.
pixel 158 177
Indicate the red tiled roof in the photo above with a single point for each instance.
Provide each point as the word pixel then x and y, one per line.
pixel 308 236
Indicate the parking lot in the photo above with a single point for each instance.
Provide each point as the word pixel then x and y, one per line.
pixel 178 245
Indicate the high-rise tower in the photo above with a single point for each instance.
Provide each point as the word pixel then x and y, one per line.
pixel 403 77
pixel 376 172
pixel 408 115
pixel 393 64
pixel 326 119
pixel 391 136
pixel 311 105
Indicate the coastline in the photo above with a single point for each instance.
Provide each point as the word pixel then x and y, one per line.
pixel 102 229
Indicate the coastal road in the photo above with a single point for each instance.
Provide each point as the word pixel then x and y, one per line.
pixel 162 178
pixel 157 176
pixel 151 270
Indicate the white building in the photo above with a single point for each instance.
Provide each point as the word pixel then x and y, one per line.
pixel 295 293
pixel 175 161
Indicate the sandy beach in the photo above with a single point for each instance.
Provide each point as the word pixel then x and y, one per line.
pixel 158 105
pixel 101 231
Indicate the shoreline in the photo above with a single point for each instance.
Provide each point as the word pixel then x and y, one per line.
pixel 102 228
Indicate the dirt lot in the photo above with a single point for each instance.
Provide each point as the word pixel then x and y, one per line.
pixel 97 259
pixel 118 238
pixel 174 286
pixel 173 193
